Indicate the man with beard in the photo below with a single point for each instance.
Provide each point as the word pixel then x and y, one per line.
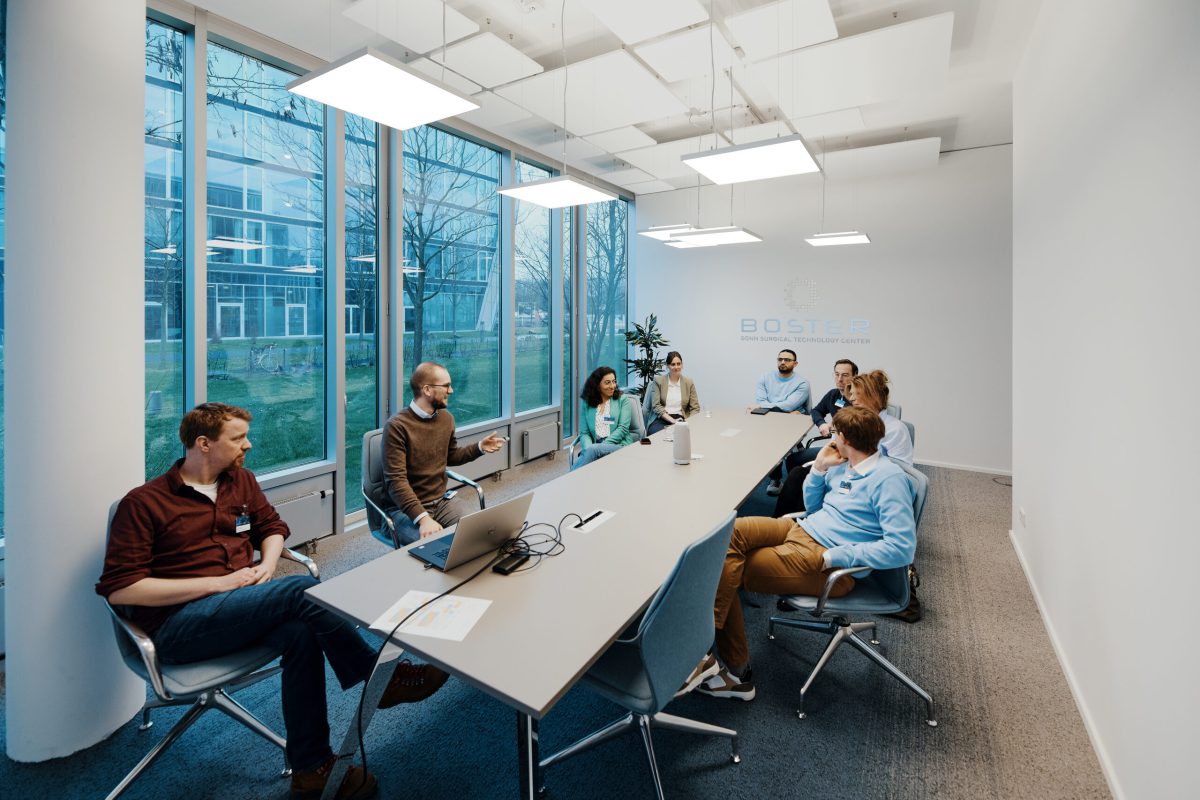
pixel 180 559
pixel 418 445
pixel 781 389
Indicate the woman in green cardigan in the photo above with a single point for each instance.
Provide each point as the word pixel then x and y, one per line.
pixel 606 424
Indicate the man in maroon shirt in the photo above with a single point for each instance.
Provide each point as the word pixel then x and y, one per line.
pixel 181 558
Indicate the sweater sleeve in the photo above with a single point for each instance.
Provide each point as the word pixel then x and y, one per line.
pixel 893 500
pixel 797 396
pixel 395 470
pixel 760 392
pixel 815 487
pixel 456 455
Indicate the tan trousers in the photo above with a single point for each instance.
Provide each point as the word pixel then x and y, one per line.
pixel 772 556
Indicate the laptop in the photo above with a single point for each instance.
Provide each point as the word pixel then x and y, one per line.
pixel 475 534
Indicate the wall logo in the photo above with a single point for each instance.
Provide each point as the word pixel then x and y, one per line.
pixel 802 296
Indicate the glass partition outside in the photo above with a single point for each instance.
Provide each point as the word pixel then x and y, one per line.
pixel 266 257
pixel 607 285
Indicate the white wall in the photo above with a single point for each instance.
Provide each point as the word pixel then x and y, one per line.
pixel 1106 123
pixel 933 290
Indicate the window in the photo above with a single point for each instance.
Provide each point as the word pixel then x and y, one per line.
pixel 451 295
pixel 164 245
pixel 266 332
pixel 3 161
pixel 607 285
pixel 362 286
pixel 534 256
pixel 568 267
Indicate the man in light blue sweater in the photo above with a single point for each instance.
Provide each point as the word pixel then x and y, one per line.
pixel 781 389
pixel 860 514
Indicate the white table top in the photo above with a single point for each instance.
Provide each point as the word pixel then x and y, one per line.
pixel 546 626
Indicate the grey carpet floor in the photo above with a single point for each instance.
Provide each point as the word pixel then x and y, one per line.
pixel 1008 727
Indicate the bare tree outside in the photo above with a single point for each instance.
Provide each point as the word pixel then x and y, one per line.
pixel 607 284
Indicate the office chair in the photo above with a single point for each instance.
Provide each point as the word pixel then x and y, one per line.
pixel 374 490
pixel 643 672
pixel 638 425
pixel 203 685
pixel 883 591
pixel 894 409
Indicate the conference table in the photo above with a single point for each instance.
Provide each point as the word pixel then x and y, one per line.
pixel 546 626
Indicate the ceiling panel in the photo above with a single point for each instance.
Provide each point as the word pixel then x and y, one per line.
pixel 835 123
pixel 489 60
pixel 446 76
pixel 662 160
pixel 627 138
pixel 494 112
pixel 782 27
pixel 908 59
pixel 686 55
pixel 699 93
pixel 416 24
pixel 883 159
pixel 624 177
pixel 592 103
pixel 760 133
pixel 636 21
pixel 650 187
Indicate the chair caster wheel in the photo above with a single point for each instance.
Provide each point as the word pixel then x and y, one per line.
pixel 146 727
pixel 286 773
pixel 931 723
pixel 801 715
pixel 736 759
pixel 771 637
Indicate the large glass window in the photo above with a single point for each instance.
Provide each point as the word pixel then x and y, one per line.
pixel 3 162
pixel 163 245
pixel 450 266
pixel 607 285
pixel 266 256
pixel 568 269
pixel 533 268
pixel 362 285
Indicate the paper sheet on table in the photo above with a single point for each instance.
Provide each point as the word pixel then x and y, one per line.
pixel 451 617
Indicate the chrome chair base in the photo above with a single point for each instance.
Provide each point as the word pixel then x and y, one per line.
pixel 644 723
pixel 840 631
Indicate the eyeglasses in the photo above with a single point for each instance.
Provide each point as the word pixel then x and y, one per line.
pixel 785 360
pixel 832 430
pixel 438 385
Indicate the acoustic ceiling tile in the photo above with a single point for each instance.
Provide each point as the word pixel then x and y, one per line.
pixel 883 159
pixel 760 133
pixel 446 76
pixel 494 112
pixel 489 60
pixel 606 92
pixel 662 160
pixel 782 27
pixel 416 24
pixel 686 55
pixel 909 59
pixel 624 177
pixel 638 20
pixel 627 138
pixel 650 187
pixel 848 120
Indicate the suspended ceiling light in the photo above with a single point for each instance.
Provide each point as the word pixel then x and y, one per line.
pixel 222 243
pixel 380 88
pixel 557 192
pixel 843 237
pixel 787 155
pixel 664 233
pixel 732 234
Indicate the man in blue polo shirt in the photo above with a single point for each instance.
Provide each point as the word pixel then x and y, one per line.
pixel 860 514
pixel 781 389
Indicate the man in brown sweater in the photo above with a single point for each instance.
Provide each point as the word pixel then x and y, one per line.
pixel 418 445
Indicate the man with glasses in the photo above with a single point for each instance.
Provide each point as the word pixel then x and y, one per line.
pixel 781 389
pixel 860 515
pixel 418 445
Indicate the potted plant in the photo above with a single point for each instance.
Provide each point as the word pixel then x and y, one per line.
pixel 646 338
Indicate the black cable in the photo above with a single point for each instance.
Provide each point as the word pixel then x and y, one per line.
pixel 998 481
pixel 536 548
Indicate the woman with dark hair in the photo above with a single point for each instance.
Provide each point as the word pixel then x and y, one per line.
pixel 606 424
pixel 675 397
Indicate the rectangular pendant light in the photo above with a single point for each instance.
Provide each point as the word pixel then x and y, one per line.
pixel 843 237
pixel 376 86
pixel 682 245
pixel 774 158
pixel 557 192
pixel 665 232
pixel 715 236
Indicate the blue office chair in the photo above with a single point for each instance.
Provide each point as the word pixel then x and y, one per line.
pixel 203 685
pixel 883 591
pixel 374 490
pixel 643 672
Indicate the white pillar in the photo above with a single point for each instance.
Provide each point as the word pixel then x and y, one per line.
pixel 74 369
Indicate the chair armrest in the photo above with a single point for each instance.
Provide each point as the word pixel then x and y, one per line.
pixel 817 438
pixel 300 558
pixel 571 450
pixel 833 578
pixel 387 519
pixel 146 649
pixel 465 481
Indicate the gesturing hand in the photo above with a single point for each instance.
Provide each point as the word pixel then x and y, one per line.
pixel 492 443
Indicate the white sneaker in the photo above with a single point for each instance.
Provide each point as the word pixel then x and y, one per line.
pixel 707 667
pixel 726 684
pixel 774 488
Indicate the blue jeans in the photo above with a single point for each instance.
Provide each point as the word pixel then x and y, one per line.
pixel 445 512
pixel 592 452
pixel 277 613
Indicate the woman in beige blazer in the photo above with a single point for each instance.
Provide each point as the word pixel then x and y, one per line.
pixel 675 396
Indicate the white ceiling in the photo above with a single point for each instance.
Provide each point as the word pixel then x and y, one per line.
pixel 639 85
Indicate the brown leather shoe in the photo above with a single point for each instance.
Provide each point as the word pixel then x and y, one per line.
pixel 358 784
pixel 411 683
